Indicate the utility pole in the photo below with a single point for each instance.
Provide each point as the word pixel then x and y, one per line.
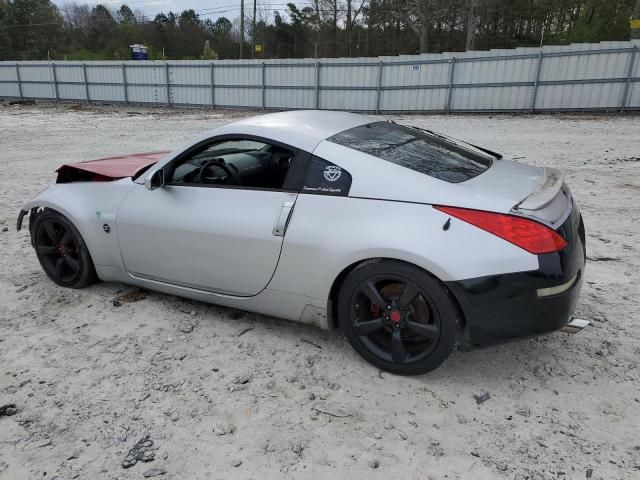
pixel 635 23
pixel 253 31
pixel 241 27
pixel 349 26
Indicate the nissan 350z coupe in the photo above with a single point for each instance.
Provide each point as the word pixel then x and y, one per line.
pixel 408 241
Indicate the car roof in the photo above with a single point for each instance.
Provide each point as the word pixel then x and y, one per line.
pixel 303 129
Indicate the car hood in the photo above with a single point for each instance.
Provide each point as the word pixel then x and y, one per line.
pixel 109 168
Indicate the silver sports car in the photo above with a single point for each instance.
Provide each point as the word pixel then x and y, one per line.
pixel 410 242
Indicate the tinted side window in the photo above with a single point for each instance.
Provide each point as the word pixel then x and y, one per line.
pixel 326 178
pixel 417 150
pixel 237 162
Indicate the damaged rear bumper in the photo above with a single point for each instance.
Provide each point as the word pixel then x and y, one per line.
pixel 501 308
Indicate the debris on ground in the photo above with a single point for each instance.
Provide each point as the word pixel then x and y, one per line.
pixel 8 410
pixel 332 410
pixel 186 327
pixel 245 331
pixel 306 340
pixel 154 472
pixel 141 452
pixel 130 296
pixel 481 397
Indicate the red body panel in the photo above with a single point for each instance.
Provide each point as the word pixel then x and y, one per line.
pixel 109 168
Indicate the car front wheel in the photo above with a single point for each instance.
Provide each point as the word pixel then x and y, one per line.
pixel 398 317
pixel 61 251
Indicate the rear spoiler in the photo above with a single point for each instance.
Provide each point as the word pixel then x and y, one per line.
pixel 549 186
pixel 495 155
pixel 491 153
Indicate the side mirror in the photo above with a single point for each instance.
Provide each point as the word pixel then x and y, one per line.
pixel 155 180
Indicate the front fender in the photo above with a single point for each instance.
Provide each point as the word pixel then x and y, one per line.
pixel 89 206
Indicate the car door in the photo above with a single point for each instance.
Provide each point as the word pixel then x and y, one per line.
pixel 215 237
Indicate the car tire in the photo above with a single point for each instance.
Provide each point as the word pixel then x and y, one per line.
pixel 398 317
pixel 61 251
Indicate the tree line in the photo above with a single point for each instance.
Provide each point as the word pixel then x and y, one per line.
pixel 37 29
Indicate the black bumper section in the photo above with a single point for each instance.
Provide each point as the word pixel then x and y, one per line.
pixel 506 307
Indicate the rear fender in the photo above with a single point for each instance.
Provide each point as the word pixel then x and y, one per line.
pixel 92 208
pixel 328 233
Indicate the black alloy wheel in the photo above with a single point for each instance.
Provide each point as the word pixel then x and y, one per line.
pixel 398 317
pixel 61 251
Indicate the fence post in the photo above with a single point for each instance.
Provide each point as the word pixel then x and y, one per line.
pixel 262 67
pixel 452 70
pixel 55 80
pixel 535 82
pixel 627 85
pixel 86 82
pixel 166 72
pixel 213 88
pixel 19 81
pixel 125 84
pixel 379 86
pixel 317 86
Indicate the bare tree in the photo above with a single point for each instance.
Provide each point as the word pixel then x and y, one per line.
pixel 472 22
pixel 333 9
pixel 417 18
pixel 77 16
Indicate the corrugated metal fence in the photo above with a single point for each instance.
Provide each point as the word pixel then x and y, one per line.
pixel 602 76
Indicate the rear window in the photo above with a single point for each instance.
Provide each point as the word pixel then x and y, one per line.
pixel 415 149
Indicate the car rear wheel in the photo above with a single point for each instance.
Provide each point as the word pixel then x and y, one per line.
pixel 62 253
pixel 398 317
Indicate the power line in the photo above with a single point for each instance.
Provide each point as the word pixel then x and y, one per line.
pixel 204 11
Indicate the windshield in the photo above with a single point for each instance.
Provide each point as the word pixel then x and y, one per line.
pixel 415 149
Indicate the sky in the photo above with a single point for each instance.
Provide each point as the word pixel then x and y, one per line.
pixel 205 8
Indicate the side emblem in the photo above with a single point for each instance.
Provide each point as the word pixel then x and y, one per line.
pixel 105 215
pixel 332 173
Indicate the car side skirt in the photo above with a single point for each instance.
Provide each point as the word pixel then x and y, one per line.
pixel 290 306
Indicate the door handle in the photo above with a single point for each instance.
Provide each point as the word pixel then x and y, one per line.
pixel 283 219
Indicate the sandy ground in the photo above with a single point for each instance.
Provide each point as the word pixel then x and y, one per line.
pixel 283 400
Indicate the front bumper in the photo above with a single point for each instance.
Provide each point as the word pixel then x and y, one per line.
pixel 500 308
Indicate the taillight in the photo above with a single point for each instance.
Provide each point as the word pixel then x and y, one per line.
pixel 527 234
